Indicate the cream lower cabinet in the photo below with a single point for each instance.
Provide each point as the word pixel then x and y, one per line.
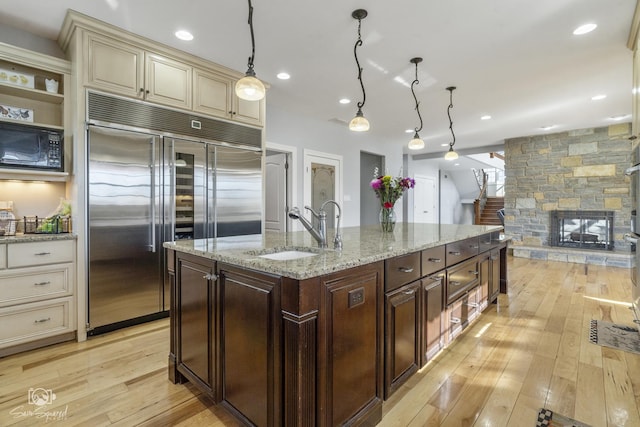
pixel 126 69
pixel 37 286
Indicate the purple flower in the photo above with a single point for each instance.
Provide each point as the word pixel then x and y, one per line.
pixel 376 184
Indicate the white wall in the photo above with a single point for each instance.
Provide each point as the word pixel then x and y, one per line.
pixel 287 128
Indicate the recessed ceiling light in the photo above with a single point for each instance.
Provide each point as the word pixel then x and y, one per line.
pixel 444 145
pixel 584 29
pixel 485 117
pixel 283 76
pixel 456 164
pixel 345 101
pixel 548 127
pixel 409 130
pixel 598 97
pixel 184 35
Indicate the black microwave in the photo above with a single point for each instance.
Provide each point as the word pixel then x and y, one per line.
pixel 30 147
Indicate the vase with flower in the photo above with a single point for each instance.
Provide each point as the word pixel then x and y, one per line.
pixel 389 189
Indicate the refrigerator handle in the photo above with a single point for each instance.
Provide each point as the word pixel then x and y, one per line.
pixel 152 246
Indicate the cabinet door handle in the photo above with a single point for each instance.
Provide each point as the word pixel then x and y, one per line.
pixel 456 253
pixel 435 260
pixel 210 276
pixel 455 320
pixel 406 269
pixel 475 273
pixel 42 253
pixel 409 292
pixel 473 246
pixel 473 304
pixel 43 320
pixel 42 283
pixel 141 90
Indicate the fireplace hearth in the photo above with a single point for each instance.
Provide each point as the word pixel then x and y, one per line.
pixel 582 229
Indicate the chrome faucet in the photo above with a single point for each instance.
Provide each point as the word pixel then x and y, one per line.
pixel 320 235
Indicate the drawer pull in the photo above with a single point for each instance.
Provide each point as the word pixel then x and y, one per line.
pixel 435 260
pixel 473 305
pixel 409 292
pixel 406 269
pixel 456 253
pixel 455 320
pixel 42 283
pixel 475 273
pixel 43 320
pixel 454 283
pixel 43 253
pixel 210 276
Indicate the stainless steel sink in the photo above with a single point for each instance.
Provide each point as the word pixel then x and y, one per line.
pixel 288 255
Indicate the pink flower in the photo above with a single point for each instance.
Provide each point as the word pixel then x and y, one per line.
pixel 376 184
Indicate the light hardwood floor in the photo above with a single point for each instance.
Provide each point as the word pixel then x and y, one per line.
pixel 529 351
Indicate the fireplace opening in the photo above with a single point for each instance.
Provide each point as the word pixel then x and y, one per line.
pixel 582 229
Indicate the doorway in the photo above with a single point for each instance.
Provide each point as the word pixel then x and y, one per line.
pixel 322 182
pixel 425 204
pixel 369 203
pixel 280 186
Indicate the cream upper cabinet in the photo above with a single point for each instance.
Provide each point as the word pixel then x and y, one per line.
pixel 167 81
pixel 214 94
pixel 115 66
pixel 125 69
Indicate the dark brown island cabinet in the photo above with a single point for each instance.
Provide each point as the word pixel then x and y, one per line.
pixel 323 351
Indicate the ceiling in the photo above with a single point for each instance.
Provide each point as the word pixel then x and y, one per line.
pixel 516 61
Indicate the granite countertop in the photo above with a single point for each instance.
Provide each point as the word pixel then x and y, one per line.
pixel 361 245
pixel 40 237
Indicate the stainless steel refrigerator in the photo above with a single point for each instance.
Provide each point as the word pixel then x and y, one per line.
pixel 144 189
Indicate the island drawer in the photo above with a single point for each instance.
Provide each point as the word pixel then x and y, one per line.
pixel 433 260
pixel 401 270
pixel 462 250
pixel 489 241
pixel 460 279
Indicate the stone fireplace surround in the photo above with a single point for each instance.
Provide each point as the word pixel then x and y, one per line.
pixel 575 170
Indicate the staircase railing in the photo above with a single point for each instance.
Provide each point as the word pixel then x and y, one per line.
pixel 481 200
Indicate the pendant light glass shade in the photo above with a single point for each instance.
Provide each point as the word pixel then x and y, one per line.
pixel 451 155
pixel 416 143
pixel 249 87
pixel 359 123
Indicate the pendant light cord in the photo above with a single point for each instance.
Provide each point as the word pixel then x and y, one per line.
pixel 253 40
pixel 355 54
pixel 415 82
pixel 451 89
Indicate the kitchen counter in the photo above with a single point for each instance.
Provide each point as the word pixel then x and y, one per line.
pixel 361 245
pixel 22 238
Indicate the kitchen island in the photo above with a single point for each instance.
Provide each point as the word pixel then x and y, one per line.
pixel 323 339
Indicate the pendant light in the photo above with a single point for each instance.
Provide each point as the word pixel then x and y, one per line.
pixel 359 123
pixel 451 154
pixel 249 87
pixel 416 143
